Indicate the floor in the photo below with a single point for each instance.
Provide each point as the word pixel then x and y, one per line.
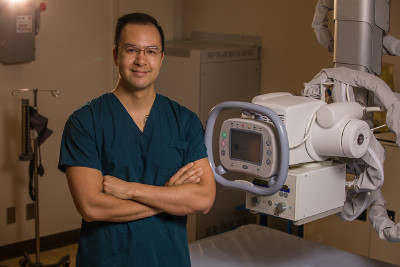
pixel 46 257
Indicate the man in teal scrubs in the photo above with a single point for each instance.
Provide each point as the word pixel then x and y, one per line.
pixel 135 161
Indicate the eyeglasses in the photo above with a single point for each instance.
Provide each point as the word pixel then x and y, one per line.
pixel 130 51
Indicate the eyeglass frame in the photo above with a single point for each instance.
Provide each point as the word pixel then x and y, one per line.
pixel 138 50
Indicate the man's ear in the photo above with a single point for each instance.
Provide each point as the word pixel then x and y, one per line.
pixel 115 55
pixel 162 57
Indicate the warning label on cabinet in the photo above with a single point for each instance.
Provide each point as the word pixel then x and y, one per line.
pixel 24 24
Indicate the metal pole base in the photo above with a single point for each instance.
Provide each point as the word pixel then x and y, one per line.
pixel 26 261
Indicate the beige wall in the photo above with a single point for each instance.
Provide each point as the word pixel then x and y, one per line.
pixel 290 54
pixel 73 55
pixel 167 12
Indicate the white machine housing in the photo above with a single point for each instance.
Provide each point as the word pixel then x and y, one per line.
pixel 335 130
pixel 296 113
pixel 315 186
pixel 312 191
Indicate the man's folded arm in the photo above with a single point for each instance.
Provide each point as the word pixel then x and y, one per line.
pixel 196 196
pixel 86 186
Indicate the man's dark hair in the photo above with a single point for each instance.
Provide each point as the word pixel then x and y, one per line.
pixel 139 19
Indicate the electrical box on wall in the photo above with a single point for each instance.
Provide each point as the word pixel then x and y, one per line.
pixel 17 31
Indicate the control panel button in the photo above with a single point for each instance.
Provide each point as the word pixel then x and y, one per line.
pixel 223 152
pixel 223 144
pixel 245 167
pixel 223 134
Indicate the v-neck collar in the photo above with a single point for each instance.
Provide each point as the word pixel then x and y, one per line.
pixel 150 120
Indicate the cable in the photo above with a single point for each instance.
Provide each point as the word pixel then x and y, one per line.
pixel 308 132
pixel 378 127
pixel 31 182
pixel 347 93
pixel 343 93
pixel 373 109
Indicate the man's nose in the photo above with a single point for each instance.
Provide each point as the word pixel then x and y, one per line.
pixel 141 57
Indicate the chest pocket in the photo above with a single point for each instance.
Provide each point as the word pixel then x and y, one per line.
pixel 173 154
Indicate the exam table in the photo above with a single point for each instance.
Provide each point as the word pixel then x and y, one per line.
pixel 256 245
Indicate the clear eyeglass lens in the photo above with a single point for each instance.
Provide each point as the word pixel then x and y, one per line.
pixel 149 52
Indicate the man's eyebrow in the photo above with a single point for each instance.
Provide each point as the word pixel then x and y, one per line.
pixel 133 45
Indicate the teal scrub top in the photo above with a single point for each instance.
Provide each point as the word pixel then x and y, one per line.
pixel 102 135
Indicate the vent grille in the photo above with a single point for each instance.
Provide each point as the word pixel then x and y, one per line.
pixel 268 120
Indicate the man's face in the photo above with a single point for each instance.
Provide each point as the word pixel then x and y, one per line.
pixel 138 71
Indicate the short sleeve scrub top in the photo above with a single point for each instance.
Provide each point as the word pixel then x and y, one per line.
pixel 102 135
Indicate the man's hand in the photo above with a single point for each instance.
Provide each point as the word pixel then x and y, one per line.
pixel 186 174
pixel 93 204
pixel 116 187
pixel 121 189
pixel 190 190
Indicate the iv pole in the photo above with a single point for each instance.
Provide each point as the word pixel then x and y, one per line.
pixel 64 261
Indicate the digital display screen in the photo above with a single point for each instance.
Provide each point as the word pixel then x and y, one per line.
pixel 246 146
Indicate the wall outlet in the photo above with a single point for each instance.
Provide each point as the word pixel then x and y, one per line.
pixel 11 217
pixel 391 214
pixel 363 216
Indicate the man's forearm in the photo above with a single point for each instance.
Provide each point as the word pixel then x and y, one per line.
pixel 95 205
pixel 112 209
pixel 178 199
pixel 188 191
